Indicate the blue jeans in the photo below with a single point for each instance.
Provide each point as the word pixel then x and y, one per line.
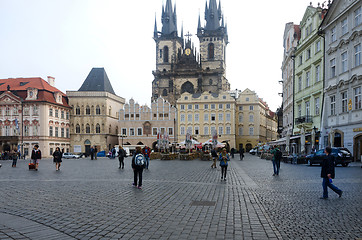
pixel 326 184
pixel 276 166
pixel 147 161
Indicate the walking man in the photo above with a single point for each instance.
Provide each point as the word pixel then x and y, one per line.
pixel 241 154
pixel 95 152
pixel 277 156
pixel 327 173
pixel 214 157
pixel 121 155
pixel 146 151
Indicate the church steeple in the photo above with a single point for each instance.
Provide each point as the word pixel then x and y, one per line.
pixel 155 33
pixel 169 19
pixel 212 16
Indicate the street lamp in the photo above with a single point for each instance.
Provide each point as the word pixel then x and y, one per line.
pixel 123 136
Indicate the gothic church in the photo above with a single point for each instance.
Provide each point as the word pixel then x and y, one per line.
pixel 179 67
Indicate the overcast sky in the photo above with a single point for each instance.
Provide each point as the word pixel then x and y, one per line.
pixel 67 38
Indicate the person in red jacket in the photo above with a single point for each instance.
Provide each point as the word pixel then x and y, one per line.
pixel 36 156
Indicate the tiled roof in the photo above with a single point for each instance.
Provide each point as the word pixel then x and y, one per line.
pixel 19 86
pixel 97 80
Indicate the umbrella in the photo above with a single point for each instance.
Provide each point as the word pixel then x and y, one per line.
pixel 193 142
pixel 218 144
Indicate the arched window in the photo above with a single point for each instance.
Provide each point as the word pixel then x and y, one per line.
pixel 77 128
pixel 187 87
pixel 210 51
pixel 87 128
pixel 77 111
pixel 87 110
pixel 98 110
pixel 165 54
pixel 98 128
pixel 164 92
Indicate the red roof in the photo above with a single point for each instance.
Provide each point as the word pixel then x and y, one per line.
pixel 45 90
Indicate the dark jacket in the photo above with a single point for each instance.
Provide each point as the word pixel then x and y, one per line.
pixel 134 166
pixel 35 154
pixel 328 166
pixel 57 155
pixel 121 154
pixel 214 153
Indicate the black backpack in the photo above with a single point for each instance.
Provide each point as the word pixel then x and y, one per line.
pixel 278 154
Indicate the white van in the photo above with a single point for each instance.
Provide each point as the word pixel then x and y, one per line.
pixel 126 149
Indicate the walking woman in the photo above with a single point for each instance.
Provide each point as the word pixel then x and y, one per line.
pixel 138 164
pixel 14 157
pixel 224 158
pixel 36 156
pixel 57 158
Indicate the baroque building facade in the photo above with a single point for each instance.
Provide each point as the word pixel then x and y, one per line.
pixel 94 115
pixel 140 125
pixel 342 29
pixel 179 67
pixel 33 111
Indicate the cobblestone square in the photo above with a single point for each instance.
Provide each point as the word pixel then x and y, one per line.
pixel 179 200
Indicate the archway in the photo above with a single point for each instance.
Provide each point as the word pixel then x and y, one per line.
pixel 357 147
pixel 338 139
pixel 187 87
pixel 6 147
pixel 87 146
pixel 248 147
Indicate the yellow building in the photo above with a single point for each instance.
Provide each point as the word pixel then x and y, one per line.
pixel 255 123
pixel 202 114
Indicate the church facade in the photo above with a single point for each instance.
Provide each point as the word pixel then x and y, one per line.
pixel 180 67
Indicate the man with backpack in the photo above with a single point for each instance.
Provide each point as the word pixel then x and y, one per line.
pixel 121 156
pixel 138 163
pixel 277 156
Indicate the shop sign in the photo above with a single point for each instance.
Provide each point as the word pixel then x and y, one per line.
pixel 357 129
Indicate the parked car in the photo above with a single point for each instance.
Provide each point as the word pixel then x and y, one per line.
pixel 70 155
pixel 342 155
pixel 253 151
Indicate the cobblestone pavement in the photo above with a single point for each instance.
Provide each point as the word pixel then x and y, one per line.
pixel 179 200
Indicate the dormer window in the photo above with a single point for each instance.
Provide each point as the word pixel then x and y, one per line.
pixel 58 97
pixel 32 93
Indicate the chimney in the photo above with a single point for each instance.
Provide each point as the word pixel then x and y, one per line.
pixel 51 81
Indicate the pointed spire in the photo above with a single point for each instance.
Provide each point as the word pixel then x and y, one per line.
pixel 212 16
pixel 155 35
pixel 206 11
pixel 219 10
pixel 169 19
pixel 182 30
pixel 222 21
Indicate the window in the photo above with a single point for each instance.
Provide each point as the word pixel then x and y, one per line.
pixel 87 128
pixel 62 114
pixel 333 34
pixel 357 17
pixel 67 132
pixel 205 97
pixel 228 130
pixel 318 46
pixel 15 111
pixel 139 131
pixel 300 60
pixel 186 98
pixel 300 83
pixel 154 131
pixel 228 117
pixel 307 79
pixel 51 151
pixel 206 117
pixel 196 130
pixel 308 53
pixel 7 111
pixel 165 54
pixel 182 118
pixel 213 117
pixel 251 131
pixel 344 26
pixel 206 106
pixel 240 131
pixel 220 106
pixel 240 108
pixel 344 101
pixel 333 67
pixel 247 99
pixel 182 130
pixel 170 131
pixel 87 110
pixel 160 115
pixel 56 113
pixel 189 129
pixel 131 131
pixel 67 115
pixel 26 111
pixel 221 117
pixel 77 111
pixel 189 106
pixel 50 131
pixel 307 108
pixel 56 132
pixel 318 73
pixel 210 52
pixel 299 110
pixel 251 118
pixel 62 132
pixel 206 130
pixel 35 110
pixel 197 117
pixel 98 110
pixel 189 117
pixel 344 62
pixel 357 97
pixel 251 108
pixel 333 104
pixel 223 97
pixel 182 107
pixel 77 129
pixel 212 106
pixel 196 106
pixel 98 128
pixel 357 55
pixel 316 101
pixel 221 130
pixel 228 106
pixel 240 118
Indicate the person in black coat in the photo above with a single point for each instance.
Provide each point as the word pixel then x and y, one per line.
pixel 137 169
pixel 57 158
pixel 36 156
pixel 121 155
pixel 327 173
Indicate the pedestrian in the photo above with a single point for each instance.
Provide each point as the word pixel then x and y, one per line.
pixel 232 151
pixel 241 153
pixel 95 152
pixel 14 156
pixel 327 173
pixel 214 157
pixel 138 163
pixel 36 156
pixel 224 158
pixel 57 158
pixel 146 151
pixel 277 156
pixel 121 155
pixel 114 152
pixel 92 153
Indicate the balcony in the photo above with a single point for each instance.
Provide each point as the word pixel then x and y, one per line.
pixel 304 119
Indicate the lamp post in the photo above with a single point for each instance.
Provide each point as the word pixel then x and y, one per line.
pixel 123 136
